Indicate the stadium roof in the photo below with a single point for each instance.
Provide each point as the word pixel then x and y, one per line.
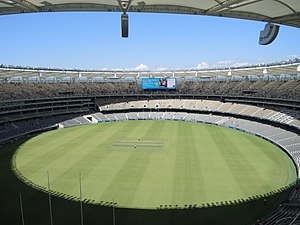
pixel 285 12
pixel 291 67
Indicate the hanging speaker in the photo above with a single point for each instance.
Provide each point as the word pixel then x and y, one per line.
pixel 269 34
pixel 124 22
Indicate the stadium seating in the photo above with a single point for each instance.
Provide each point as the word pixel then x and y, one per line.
pixel 267 89
pixel 260 88
pixel 288 117
pixel 11 91
pixel 15 130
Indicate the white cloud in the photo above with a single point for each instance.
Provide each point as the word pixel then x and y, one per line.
pixel 202 65
pixel 118 69
pixel 222 64
pixel 226 62
pixel 292 56
pixel 162 68
pixel 230 63
pixel 142 67
pixel 240 64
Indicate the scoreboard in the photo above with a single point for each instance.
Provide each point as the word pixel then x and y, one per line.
pixel 159 83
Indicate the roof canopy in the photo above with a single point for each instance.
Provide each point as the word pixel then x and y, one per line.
pixel 275 69
pixel 285 12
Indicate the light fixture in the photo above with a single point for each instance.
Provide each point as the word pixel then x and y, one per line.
pixel 124 6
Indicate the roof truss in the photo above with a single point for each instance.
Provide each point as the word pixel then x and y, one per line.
pixel 25 4
pixel 222 8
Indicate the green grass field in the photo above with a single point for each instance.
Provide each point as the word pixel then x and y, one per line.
pixel 146 164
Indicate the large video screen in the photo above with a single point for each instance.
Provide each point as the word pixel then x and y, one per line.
pixel 158 83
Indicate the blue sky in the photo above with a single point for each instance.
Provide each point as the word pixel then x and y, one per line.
pixel 156 41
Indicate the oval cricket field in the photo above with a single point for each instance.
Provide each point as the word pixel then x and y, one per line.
pixel 150 164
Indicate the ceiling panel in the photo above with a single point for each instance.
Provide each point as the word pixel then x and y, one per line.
pixel 4 5
pixel 268 8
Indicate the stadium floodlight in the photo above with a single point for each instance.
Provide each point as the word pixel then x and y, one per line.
pixel 269 34
pixel 81 206
pixel 49 198
pixel 113 212
pixel 124 6
pixel 21 207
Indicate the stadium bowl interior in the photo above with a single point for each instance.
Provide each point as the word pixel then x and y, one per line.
pixel 266 109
